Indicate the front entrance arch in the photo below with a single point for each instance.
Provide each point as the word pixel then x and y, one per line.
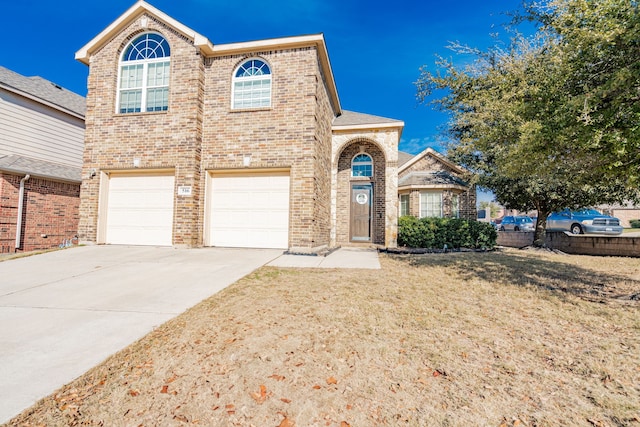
pixel 360 203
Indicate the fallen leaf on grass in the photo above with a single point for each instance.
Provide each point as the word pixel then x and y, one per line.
pixel 344 424
pixel 332 380
pixel 285 400
pixel 286 423
pixel 261 396
pixel 277 377
pixel 317 387
pixel 134 393
pixel 165 389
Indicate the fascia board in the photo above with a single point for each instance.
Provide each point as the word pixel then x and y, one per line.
pixel 369 126
pixel 84 54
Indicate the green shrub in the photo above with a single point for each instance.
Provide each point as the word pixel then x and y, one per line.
pixel 435 233
pixel 635 223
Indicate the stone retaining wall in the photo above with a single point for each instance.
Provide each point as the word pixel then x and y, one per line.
pixel 579 245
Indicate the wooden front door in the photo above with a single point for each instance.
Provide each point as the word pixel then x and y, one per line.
pixel 361 202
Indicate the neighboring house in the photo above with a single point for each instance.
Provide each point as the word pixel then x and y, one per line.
pixel 429 185
pixel 240 145
pixel 625 213
pixel 41 146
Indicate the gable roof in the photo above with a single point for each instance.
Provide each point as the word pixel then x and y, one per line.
pixel 404 157
pixel 139 8
pixel 207 48
pixel 352 120
pixel 432 153
pixel 431 179
pixel 43 91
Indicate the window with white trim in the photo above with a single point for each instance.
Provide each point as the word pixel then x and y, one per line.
pixel 362 165
pixel 404 204
pixel 430 204
pixel 252 85
pixel 143 82
pixel 455 206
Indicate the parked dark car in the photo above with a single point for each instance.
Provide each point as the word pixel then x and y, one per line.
pixel 583 221
pixel 517 223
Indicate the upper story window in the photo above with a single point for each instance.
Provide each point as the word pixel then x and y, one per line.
pixel 252 85
pixel 362 165
pixel 144 75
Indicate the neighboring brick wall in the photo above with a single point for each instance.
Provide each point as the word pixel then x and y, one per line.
pixel 50 213
pixel 579 245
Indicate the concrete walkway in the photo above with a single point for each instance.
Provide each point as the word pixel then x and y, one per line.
pixel 341 258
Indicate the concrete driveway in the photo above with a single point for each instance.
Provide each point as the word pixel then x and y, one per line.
pixel 61 313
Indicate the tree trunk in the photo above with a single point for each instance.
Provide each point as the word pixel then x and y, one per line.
pixel 541 229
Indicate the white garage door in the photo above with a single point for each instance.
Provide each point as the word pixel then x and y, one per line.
pixel 249 211
pixel 140 210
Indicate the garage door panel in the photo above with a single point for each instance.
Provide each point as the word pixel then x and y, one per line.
pixel 249 211
pixel 140 210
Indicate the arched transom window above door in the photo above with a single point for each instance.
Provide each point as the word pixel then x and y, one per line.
pixel 143 82
pixel 362 165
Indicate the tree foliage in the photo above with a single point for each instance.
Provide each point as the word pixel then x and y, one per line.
pixel 551 120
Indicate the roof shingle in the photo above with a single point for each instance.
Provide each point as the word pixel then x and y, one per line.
pixel 43 89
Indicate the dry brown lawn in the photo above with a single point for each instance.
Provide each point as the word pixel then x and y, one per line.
pixel 509 338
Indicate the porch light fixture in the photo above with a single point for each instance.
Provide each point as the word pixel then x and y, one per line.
pixel 246 161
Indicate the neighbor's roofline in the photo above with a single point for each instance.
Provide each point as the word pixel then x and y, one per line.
pixel 208 49
pixel 437 155
pixel 40 100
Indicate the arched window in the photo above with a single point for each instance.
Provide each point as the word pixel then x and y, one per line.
pixel 252 85
pixel 362 165
pixel 144 75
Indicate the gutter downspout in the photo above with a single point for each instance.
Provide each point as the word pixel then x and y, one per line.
pixel 20 209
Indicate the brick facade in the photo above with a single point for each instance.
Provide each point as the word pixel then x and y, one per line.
pixel 50 213
pixel 201 134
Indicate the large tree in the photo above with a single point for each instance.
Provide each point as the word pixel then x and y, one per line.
pixel 523 118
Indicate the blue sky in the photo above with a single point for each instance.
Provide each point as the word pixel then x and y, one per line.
pixel 375 47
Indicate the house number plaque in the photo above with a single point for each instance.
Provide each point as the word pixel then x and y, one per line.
pixel 184 190
pixel 361 198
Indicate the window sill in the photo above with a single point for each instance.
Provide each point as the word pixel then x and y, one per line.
pixel 142 113
pixel 249 110
pixel 361 178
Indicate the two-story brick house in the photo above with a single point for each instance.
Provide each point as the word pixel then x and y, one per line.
pixel 244 144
